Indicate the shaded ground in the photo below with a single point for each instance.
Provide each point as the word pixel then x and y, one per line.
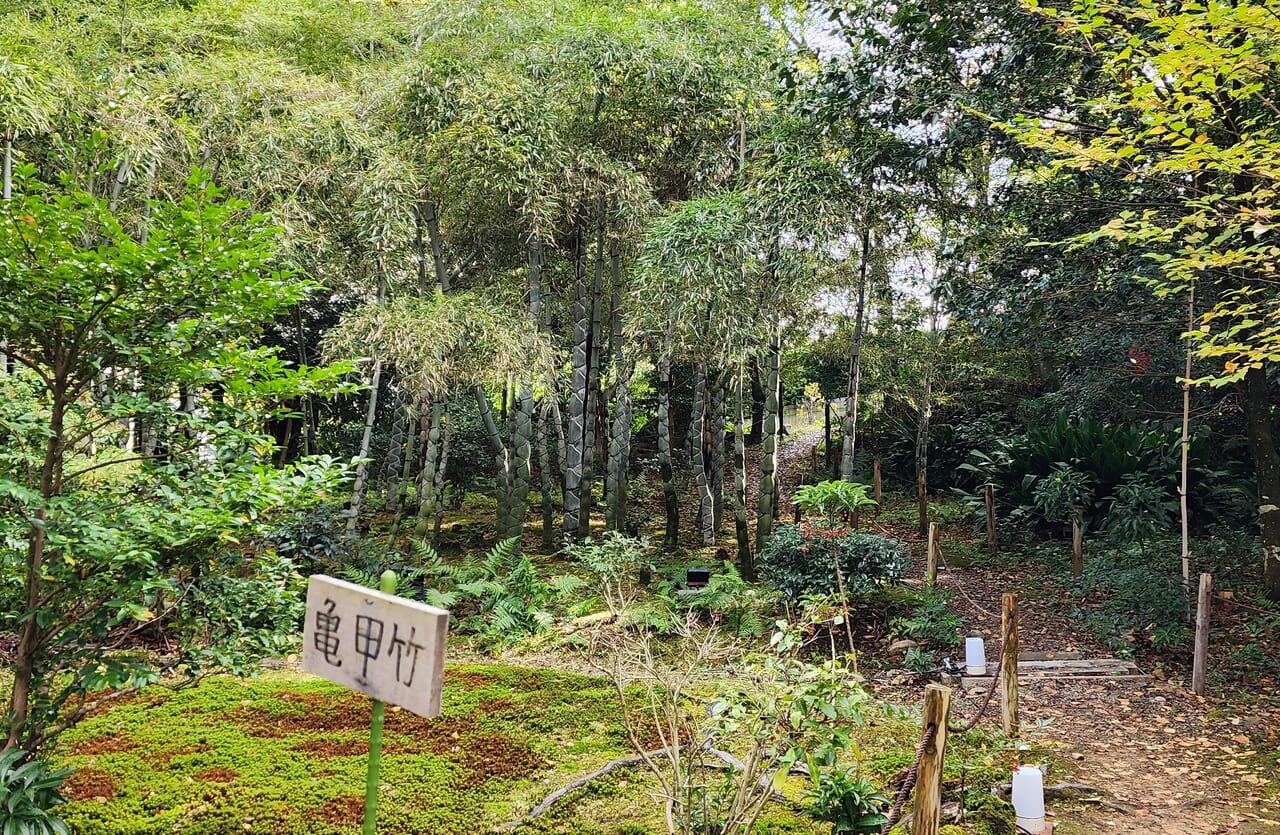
pixel 1172 763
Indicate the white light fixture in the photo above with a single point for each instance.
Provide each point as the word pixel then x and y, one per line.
pixel 975 656
pixel 1028 798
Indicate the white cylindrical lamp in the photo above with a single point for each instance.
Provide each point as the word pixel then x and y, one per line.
pixel 975 656
pixel 1028 798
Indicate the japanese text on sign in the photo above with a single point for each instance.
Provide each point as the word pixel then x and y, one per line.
pixel 382 645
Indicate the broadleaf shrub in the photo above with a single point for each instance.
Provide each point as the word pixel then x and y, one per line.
pixel 800 560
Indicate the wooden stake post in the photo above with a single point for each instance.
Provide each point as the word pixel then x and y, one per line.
pixel 927 817
pixel 875 481
pixel 931 556
pixel 1009 664
pixel 1200 663
pixel 989 497
pixel 1077 549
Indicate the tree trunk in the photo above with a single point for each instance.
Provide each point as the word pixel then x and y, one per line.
pixel 671 498
pixel 746 561
pixel 698 461
pixel 922 427
pixel 432 471
pixel 716 437
pixel 592 417
pixel 401 428
pixel 22 725
pixel 1266 463
pixel 545 469
pixel 769 455
pixel 445 440
pixel 620 429
pixel 366 440
pixel 756 433
pixel 855 367
pixel 510 518
pixel 578 397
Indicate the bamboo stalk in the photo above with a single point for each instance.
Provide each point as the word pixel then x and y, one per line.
pixel 1201 660
pixel 989 497
pixel 1077 549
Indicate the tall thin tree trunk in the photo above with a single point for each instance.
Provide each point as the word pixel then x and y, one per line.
pixel 716 421
pixel 620 428
pixel 401 428
pixel 1185 450
pixel 698 462
pixel 922 427
pixel 366 440
pixel 769 455
pixel 671 498
pixel 445 442
pixel 538 426
pixel 592 417
pixel 578 396
pixel 746 561
pixel 431 474
pixel 855 366
pixel 545 469
pixel 410 459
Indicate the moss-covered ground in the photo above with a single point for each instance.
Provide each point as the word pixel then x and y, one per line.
pixel 286 753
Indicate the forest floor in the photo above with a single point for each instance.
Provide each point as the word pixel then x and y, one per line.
pixel 1171 763
pixel 1167 762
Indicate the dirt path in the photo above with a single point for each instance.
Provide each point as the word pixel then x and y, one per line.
pixel 1172 763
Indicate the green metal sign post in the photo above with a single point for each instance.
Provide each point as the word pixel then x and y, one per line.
pixel 388 586
pixel 387 647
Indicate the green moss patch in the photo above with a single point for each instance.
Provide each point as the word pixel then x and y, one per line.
pixel 286 753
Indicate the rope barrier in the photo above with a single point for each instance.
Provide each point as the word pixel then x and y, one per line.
pixel 986 702
pixel 908 778
pixel 1218 598
pixel 960 587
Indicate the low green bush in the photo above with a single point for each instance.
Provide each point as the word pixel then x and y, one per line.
pixel 929 621
pixel 28 791
pixel 800 560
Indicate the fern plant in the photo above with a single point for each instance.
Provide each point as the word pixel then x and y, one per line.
pixel 830 499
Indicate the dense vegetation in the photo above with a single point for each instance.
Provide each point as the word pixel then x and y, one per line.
pixel 496 294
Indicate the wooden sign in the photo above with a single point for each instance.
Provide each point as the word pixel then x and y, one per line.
pixel 384 646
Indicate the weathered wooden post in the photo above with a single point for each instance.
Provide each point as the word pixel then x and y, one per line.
pixel 1077 548
pixel 989 497
pixel 1200 663
pixel 927 817
pixel 1009 664
pixel 875 480
pixel 931 557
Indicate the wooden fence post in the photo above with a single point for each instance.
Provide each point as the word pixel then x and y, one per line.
pixel 1077 549
pixel 931 557
pixel 989 497
pixel 1203 602
pixel 927 816
pixel 875 479
pixel 1009 664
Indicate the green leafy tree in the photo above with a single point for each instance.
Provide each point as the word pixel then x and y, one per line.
pixel 1187 103
pixel 114 541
